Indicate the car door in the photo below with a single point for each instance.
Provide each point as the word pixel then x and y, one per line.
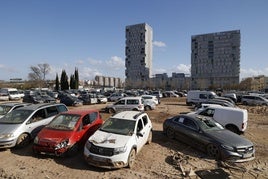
pixel 120 105
pixel 140 134
pixel 37 121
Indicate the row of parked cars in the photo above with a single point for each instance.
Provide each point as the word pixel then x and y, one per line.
pixel 114 143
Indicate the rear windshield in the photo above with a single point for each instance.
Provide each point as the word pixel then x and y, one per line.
pixel 16 117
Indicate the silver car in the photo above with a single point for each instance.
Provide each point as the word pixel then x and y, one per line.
pixel 18 127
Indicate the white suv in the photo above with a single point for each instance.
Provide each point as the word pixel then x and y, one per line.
pixel 117 142
pixel 126 104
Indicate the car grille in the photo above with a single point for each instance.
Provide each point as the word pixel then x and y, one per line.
pixel 245 150
pixel 101 150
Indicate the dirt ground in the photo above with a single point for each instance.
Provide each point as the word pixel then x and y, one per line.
pixel 163 158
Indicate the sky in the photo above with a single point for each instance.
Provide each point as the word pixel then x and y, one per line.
pixel 90 34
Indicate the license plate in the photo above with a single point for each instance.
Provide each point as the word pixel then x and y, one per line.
pixel 99 159
pixel 247 155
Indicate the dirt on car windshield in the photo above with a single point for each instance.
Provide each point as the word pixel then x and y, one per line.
pixel 163 158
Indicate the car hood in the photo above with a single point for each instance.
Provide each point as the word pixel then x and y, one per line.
pixel 109 140
pixel 53 135
pixel 8 128
pixel 229 138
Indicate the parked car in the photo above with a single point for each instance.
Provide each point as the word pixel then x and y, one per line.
pixel 46 98
pixel 209 136
pixel 13 93
pixel 233 119
pixel 216 101
pixel 32 98
pixel 117 142
pixel 102 99
pixel 10 106
pixel 4 95
pixel 195 97
pixel 254 100
pixel 126 104
pixel 149 105
pixel 116 96
pixel 169 94
pixel 88 98
pixel 70 100
pixel 21 125
pixel 151 98
pixel 67 132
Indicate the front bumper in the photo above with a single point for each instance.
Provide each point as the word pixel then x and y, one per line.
pixel 109 162
pixel 236 157
pixel 49 150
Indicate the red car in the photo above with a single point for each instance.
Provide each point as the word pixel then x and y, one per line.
pixel 67 132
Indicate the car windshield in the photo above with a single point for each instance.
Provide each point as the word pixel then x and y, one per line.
pixel 16 117
pixel 119 126
pixel 4 109
pixel 64 121
pixel 208 124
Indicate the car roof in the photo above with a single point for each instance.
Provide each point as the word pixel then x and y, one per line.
pixel 132 97
pixel 128 115
pixel 40 105
pixel 14 104
pixel 80 111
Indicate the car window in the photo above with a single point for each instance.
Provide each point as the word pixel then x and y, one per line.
pixel 62 108
pixel 207 112
pixel 89 118
pixel 145 120
pixel 202 96
pixel 120 102
pixel 52 111
pixel 189 123
pixel 132 101
pixel 39 115
pixel 139 126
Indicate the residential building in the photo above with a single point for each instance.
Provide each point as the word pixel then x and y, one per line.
pixel 138 53
pixel 215 60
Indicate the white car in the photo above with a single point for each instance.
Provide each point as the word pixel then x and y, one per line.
pixel 150 98
pixel 119 140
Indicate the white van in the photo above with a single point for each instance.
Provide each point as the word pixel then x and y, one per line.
pixel 234 119
pixel 195 97
pixel 13 93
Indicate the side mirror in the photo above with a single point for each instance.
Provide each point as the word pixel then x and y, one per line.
pixel 139 134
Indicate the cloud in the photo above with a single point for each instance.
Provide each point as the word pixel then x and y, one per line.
pixel 159 44
pixel 244 73
pixel 94 62
pixel 79 62
pixel 182 68
pixel 115 63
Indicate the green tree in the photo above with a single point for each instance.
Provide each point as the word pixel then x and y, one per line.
pixel 72 82
pixel 57 87
pixel 64 81
pixel 76 76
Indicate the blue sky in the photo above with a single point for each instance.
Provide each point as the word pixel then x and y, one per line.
pixel 90 34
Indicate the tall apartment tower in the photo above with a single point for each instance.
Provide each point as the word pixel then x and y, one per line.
pixel 138 53
pixel 215 60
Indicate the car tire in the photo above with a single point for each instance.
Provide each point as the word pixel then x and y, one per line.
pixel 233 129
pixel 150 138
pixel 73 150
pixel 147 108
pixel 111 110
pixel 170 133
pixel 213 151
pixel 23 140
pixel 131 158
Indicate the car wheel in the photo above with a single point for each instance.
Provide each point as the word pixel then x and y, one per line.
pixel 23 140
pixel 73 150
pixel 147 108
pixel 111 110
pixel 150 138
pixel 131 158
pixel 233 129
pixel 213 151
pixel 170 133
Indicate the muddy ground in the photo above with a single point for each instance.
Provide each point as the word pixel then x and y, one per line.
pixel 163 158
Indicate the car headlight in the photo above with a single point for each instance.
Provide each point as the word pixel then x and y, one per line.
pixel 227 147
pixel 62 144
pixel 36 140
pixel 6 136
pixel 120 150
pixel 88 145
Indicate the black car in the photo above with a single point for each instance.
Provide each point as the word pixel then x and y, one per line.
pixel 70 100
pixel 32 98
pixel 209 136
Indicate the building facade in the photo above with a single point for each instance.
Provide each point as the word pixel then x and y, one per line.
pixel 215 60
pixel 138 53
